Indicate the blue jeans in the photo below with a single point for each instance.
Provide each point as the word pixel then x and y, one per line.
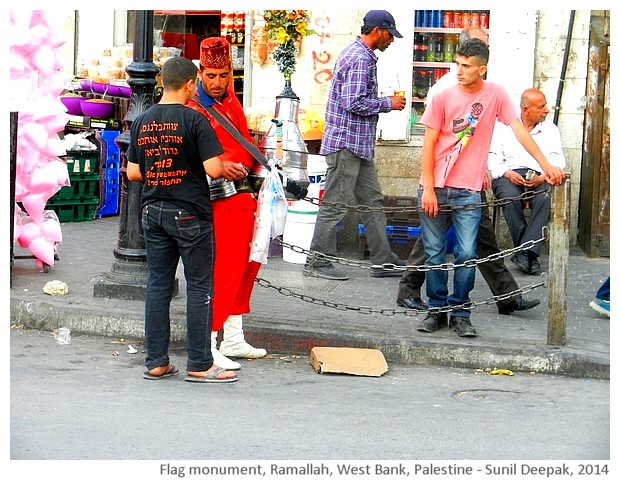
pixel 171 233
pixel 434 230
pixel 351 180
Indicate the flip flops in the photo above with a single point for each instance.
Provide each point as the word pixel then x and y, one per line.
pixel 169 373
pixel 211 377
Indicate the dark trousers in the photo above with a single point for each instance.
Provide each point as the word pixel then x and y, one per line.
pixel 495 273
pixel 171 233
pixel 522 230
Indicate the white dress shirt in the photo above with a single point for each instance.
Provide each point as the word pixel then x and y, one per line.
pixel 506 153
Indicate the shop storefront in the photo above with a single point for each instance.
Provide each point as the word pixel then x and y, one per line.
pixel 527 49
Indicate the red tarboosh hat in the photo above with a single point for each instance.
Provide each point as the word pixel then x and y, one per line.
pixel 214 52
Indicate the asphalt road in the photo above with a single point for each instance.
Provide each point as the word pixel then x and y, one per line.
pixel 87 401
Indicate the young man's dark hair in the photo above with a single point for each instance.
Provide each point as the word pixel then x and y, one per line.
pixel 474 47
pixel 177 71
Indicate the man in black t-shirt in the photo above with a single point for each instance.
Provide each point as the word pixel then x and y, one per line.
pixel 172 150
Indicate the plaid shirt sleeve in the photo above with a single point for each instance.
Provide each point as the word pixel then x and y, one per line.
pixel 360 92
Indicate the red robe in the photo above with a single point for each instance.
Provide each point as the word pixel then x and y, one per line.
pixel 233 220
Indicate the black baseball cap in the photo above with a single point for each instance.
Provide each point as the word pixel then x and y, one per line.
pixel 381 19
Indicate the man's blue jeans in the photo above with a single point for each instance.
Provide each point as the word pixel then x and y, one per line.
pixel 171 233
pixel 434 230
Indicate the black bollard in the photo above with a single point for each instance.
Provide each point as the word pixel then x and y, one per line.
pixel 126 279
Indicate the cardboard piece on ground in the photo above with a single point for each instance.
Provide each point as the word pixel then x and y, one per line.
pixel 353 361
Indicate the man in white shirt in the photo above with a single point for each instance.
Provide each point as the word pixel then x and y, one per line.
pixel 514 172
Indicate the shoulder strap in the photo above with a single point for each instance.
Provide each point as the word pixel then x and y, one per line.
pixel 230 128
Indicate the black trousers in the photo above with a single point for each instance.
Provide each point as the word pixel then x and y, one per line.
pixel 495 273
pixel 522 230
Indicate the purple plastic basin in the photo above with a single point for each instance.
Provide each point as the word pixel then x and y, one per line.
pixel 126 91
pixel 100 87
pixel 73 104
pixel 114 90
pixel 97 108
pixel 86 84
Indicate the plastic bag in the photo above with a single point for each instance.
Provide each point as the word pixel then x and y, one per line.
pixel 270 215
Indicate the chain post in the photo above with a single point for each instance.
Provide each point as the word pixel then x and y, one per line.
pixel 559 244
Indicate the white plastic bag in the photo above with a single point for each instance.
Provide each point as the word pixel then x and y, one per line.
pixel 270 216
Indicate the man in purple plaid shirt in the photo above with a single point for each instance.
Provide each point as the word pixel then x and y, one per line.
pixel 351 117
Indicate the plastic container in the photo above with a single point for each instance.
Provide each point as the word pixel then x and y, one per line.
pixel 316 167
pixel 62 336
pixel 97 108
pixel 81 186
pixel 110 174
pixel 301 215
pixel 74 210
pixel 73 104
pixel 298 231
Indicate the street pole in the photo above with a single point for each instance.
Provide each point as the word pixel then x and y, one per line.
pixel 559 246
pixel 126 279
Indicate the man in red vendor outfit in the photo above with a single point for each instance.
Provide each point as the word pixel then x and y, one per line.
pixel 233 208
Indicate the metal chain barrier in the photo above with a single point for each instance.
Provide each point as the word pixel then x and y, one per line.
pixel 528 195
pixel 314 256
pixel 389 312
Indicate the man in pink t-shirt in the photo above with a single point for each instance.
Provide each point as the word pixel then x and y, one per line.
pixel 459 126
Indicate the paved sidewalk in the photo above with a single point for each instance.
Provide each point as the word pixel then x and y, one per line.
pixel 360 312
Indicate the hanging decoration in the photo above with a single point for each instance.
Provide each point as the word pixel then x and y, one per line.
pixel 287 28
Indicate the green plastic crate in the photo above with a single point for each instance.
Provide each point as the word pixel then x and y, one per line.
pixel 74 210
pixel 82 186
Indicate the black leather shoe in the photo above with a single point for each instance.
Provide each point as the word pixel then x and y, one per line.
pixel 415 303
pixel 433 322
pixel 517 305
pixel 463 326
pixel 521 261
pixel 389 271
pixel 385 272
pixel 534 267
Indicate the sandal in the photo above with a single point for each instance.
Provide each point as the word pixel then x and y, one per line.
pixel 211 377
pixel 168 373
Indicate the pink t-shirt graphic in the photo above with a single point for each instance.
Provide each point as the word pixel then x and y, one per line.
pixel 463 129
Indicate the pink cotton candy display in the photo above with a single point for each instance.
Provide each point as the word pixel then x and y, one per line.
pixel 36 84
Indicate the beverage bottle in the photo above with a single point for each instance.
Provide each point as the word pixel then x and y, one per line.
pixel 475 18
pixel 424 18
pixel 416 47
pixel 458 19
pixel 419 18
pixel 449 47
pixel 424 47
pixel 430 77
pixel 415 83
pixel 484 19
pixel 467 19
pixel 438 19
pixel 439 48
pixel 423 84
pixel 432 49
